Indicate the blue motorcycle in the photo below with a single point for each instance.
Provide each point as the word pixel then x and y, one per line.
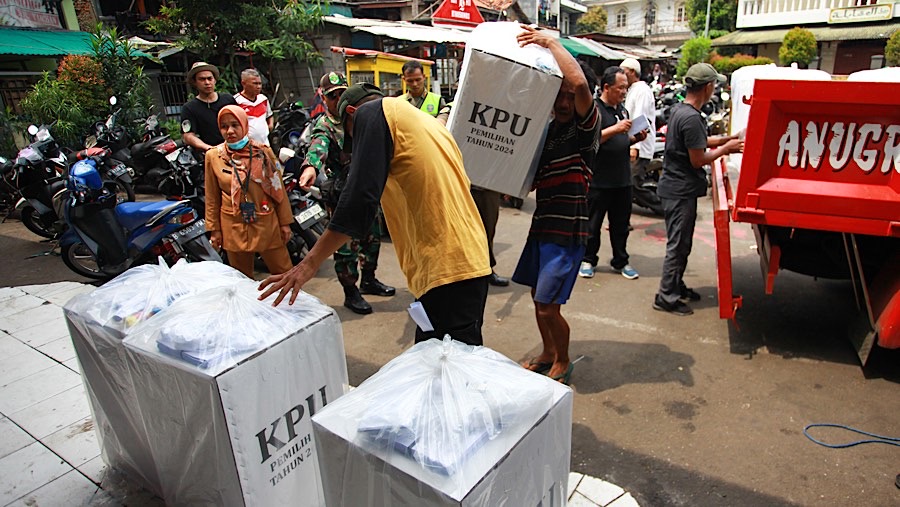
pixel 104 238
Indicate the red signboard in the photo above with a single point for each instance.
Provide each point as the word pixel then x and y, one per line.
pixel 457 13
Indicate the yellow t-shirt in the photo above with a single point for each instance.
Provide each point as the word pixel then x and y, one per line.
pixel 435 226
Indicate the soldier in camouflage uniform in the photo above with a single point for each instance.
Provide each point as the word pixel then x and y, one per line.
pixel 326 153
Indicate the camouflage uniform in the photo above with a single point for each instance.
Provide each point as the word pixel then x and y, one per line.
pixel 326 153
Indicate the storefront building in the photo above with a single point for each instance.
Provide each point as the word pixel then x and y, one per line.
pixel 851 34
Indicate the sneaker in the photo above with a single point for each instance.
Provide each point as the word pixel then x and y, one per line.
pixel 678 308
pixel 586 270
pixel 688 294
pixel 627 271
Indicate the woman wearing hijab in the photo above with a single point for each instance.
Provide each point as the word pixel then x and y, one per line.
pixel 247 209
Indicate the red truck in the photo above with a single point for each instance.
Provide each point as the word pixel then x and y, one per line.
pixel 820 184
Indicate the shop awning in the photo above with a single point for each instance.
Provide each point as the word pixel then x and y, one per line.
pixel 400 30
pixel 611 52
pixel 822 33
pixel 26 42
pixel 576 48
pixel 17 41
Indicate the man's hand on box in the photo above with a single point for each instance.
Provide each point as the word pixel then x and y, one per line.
pixel 532 36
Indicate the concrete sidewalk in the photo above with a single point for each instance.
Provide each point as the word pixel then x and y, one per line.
pixel 49 453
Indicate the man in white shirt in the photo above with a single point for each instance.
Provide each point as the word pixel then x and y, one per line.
pixel 256 105
pixel 640 102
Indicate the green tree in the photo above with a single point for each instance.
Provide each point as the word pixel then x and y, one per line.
pixel 216 30
pixel 77 97
pixel 892 50
pixel 693 51
pixel 798 46
pixel 722 16
pixel 594 20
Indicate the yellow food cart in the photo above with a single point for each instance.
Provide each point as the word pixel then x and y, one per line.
pixel 381 69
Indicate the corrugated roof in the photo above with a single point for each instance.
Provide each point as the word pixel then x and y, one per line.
pixel 18 41
pixel 400 30
pixel 822 33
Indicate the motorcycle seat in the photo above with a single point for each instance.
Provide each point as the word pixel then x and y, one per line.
pixel 135 214
pixel 141 148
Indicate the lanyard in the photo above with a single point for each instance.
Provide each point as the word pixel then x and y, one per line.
pixel 245 185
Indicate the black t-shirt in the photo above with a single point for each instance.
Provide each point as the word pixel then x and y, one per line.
pixel 687 131
pixel 203 117
pixel 612 163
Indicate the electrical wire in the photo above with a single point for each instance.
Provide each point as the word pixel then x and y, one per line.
pixel 877 439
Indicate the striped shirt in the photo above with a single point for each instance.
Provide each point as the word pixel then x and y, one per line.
pixel 562 181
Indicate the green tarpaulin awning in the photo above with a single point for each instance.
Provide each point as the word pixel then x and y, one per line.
pixel 576 48
pixel 17 41
pixel 44 43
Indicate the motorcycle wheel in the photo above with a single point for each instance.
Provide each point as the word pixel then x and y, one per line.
pixel 32 221
pixel 124 191
pixel 79 258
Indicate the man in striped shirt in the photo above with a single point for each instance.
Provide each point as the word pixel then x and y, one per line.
pixel 559 227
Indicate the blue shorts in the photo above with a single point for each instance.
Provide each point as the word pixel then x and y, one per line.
pixel 550 269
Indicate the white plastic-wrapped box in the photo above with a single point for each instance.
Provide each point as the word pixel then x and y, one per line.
pixel 501 111
pixel 447 424
pixel 212 395
pixel 98 322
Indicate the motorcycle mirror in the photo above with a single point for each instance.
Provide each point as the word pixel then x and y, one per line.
pixel 113 100
pixel 32 129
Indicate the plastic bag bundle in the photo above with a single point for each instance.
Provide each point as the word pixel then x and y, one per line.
pixel 215 329
pixel 143 291
pixel 440 401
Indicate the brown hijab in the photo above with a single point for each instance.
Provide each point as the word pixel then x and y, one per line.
pixel 262 168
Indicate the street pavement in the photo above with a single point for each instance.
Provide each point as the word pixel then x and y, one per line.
pixel 674 410
pixel 49 452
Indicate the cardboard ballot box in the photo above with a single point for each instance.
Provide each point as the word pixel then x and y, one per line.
pixel 524 463
pixel 225 425
pixel 501 111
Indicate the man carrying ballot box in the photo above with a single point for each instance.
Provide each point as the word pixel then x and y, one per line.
pixel 411 165
pixel 559 227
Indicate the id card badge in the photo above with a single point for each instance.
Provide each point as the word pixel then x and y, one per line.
pixel 248 212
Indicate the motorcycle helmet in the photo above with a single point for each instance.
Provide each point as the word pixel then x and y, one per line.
pixel 84 176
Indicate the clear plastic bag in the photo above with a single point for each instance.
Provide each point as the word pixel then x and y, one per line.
pixel 440 402
pixel 143 291
pixel 217 328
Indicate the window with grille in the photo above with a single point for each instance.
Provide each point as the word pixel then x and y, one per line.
pixel 621 18
pixel 680 16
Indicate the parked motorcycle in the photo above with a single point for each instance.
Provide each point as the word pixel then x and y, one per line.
pixel 644 184
pixel 36 176
pixel 307 206
pixel 184 179
pixel 147 159
pixel 289 124
pixel 104 238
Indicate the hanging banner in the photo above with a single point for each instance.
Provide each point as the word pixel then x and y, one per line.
pixel 28 13
pixel 462 13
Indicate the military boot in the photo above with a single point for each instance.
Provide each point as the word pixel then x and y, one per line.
pixel 355 302
pixel 371 285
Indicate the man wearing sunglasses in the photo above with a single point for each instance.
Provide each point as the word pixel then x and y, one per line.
pixel 326 153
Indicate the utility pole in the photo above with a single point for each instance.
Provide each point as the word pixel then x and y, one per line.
pixel 706 31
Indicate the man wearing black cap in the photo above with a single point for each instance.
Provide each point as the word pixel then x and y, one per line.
pixel 199 126
pixel 684 180
pixel 410 164
pixel 326 153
